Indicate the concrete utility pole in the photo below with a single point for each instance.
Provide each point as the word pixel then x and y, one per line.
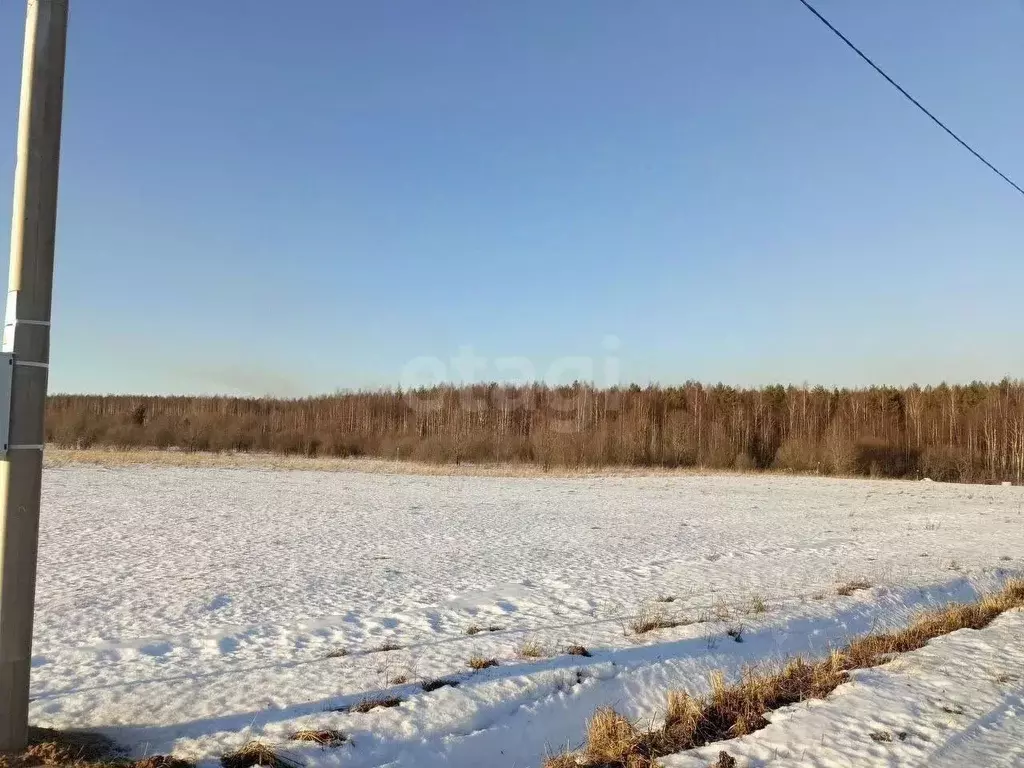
pixel 27 336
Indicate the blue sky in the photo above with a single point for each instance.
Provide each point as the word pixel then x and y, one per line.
pixel 259 197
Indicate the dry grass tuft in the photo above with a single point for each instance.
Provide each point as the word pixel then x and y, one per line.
pixel 847 589
pixel 611 740
pixel 338 653
pixel 433 685
pixel 476 629
pixel 161 761
pixel 531 649
pixel 48 747
pixel 735 709
pixel 387 645
pixel 721 610
pixel 652 618
pixel 51 748
pixel 682 714
pixel 376 702
pixel 325 737
pixel 577 650
pixel 725 760
pixel 479 662
pixel 564 760
pixel 256 753
pixel 757 605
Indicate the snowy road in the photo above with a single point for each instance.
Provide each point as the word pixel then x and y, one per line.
pixel 191 609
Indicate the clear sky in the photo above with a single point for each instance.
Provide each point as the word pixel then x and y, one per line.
pixel 262 196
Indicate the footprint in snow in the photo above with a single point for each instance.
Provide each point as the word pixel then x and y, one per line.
pixel 220 601
pixel 159 648
pixel 434 619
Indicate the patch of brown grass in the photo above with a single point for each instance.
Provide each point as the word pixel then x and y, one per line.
pixel 337 653
pixel 737 709
pixel 721 610
pixel 757 606
pixel 652 618
pixel 387 645
pixel 48 747
pixel 479 662
pixel 563 760
pixel 162 761
pixel 531 649
pixel 577 650
pixel 433 685
pixel 256 753
pixel 847 589
pixel 375 702
pixel 476 629
pixel 325 737
pixel 613 740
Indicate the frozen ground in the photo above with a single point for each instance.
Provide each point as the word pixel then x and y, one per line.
pixel 189 610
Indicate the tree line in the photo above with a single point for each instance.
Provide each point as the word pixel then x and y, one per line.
pixel 970 433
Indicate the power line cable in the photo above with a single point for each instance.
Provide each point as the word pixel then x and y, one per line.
pixel 912 100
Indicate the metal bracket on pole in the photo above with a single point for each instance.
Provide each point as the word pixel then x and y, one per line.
pixel 6 375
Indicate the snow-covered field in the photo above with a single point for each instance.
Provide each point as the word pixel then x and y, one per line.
pixel 189 610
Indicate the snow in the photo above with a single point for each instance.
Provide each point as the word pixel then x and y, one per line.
pixel 189 610
pixel 957 702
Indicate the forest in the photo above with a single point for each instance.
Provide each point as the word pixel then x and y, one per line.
pixel 970 433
